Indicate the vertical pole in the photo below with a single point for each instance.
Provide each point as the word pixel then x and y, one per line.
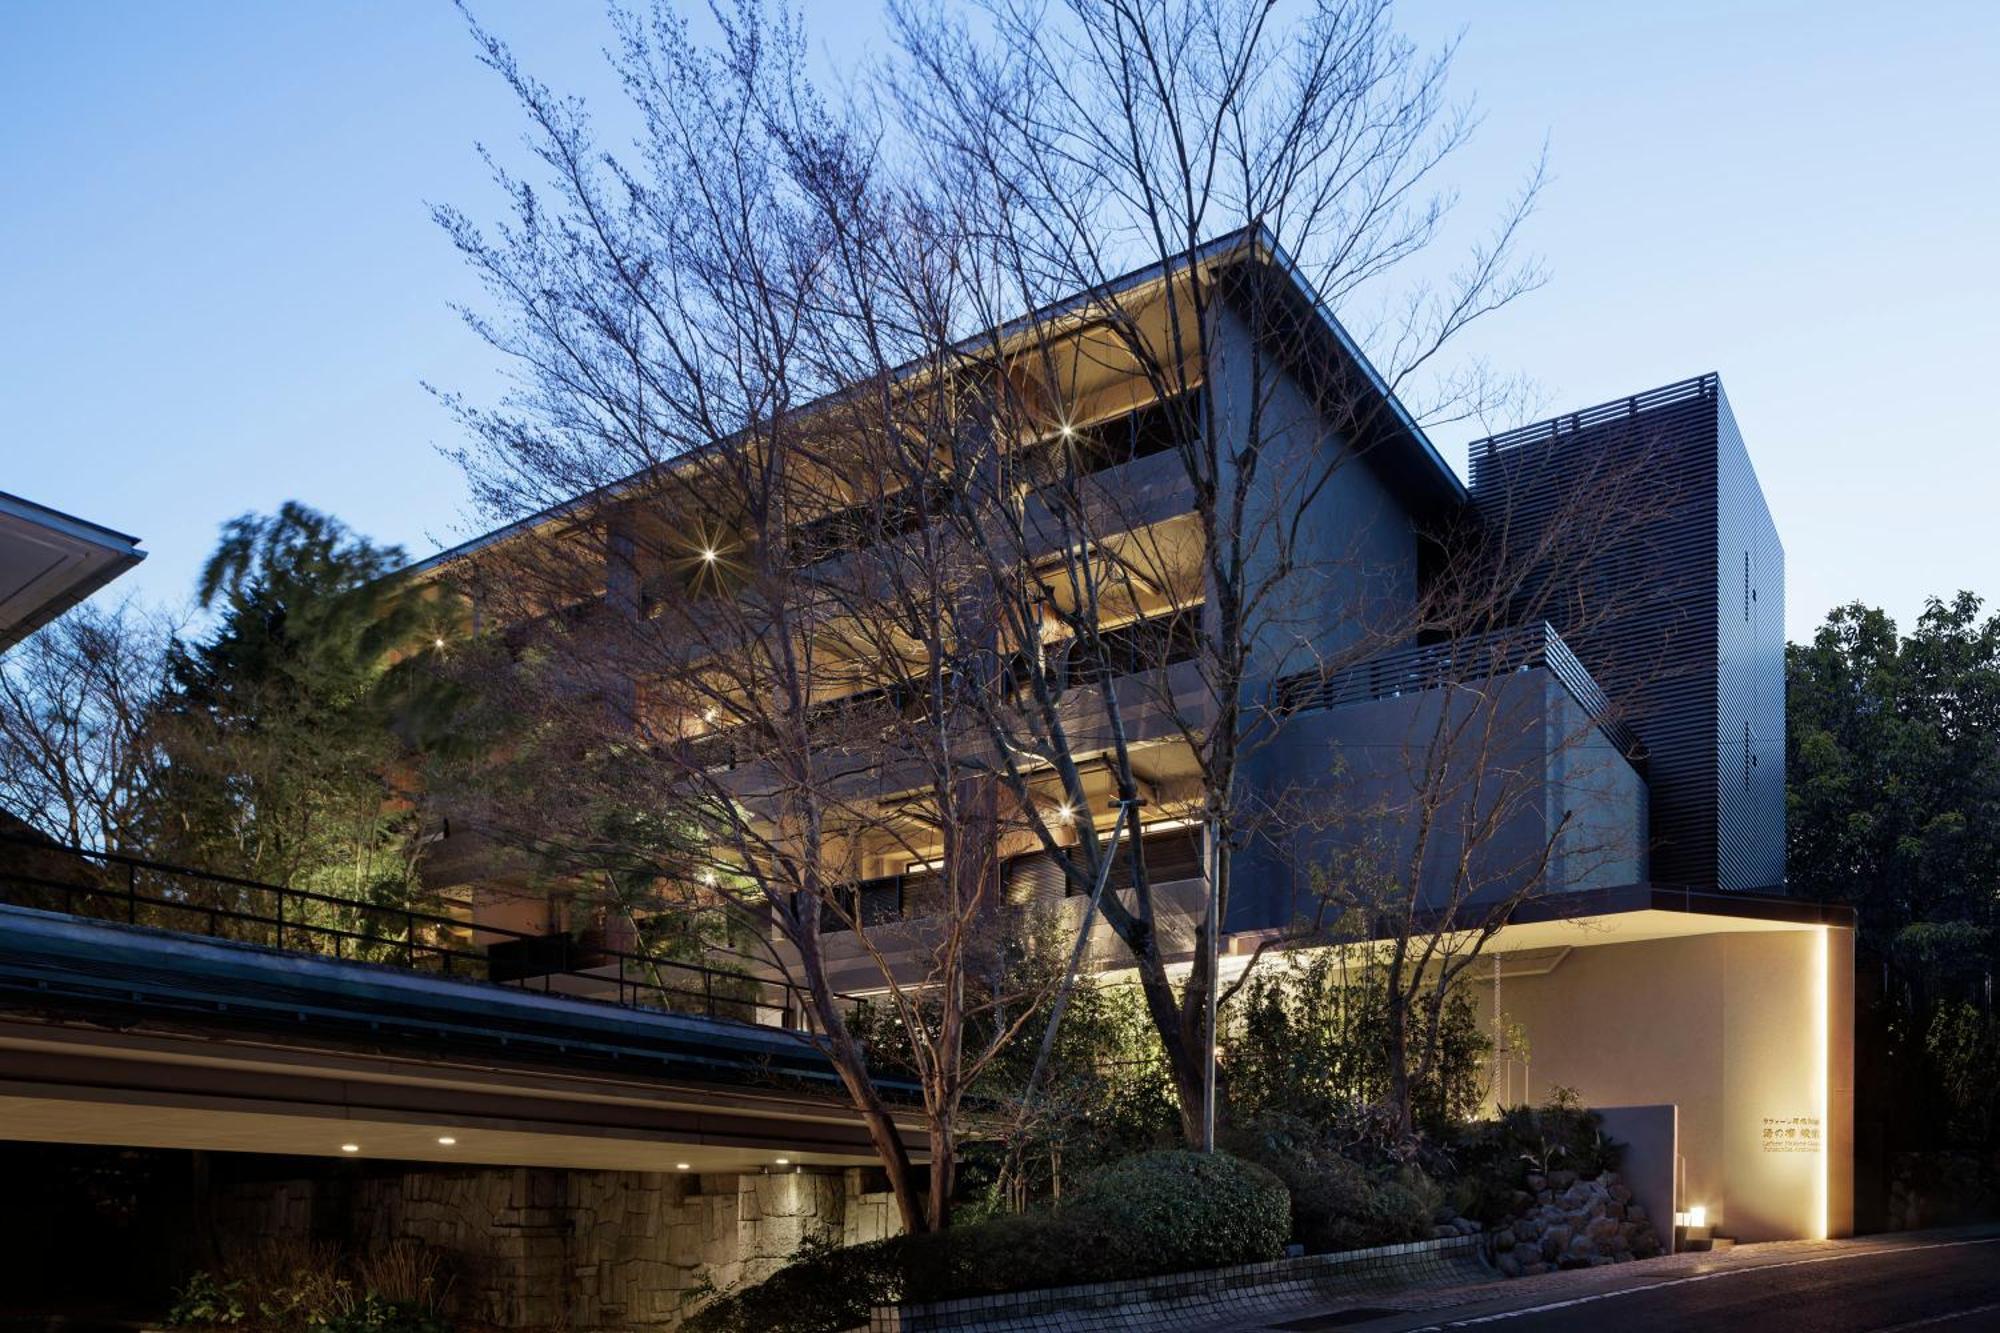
pixel 1213 947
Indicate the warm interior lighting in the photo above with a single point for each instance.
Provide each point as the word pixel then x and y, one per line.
pixel 1066 813
pixel 1698 1215
pixel 680 1166
pixel 708 554
pixel 710 714
pixel 784 1161
pixel 350 1147
pixel 437 642
pixel 446 1141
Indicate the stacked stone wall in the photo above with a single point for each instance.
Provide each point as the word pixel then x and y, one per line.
pixel 536 1248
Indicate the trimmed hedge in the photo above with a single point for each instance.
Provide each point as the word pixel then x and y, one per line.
pixel 1175 1211
pixel 1161 1212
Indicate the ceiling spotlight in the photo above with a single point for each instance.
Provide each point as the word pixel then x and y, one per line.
pixel 784 1161
pixel 446 1141
pixel 438 642
pixel 350 1147
pixel 680 1166
pixel 709 553
pixel 1066 813
pixel 1068 431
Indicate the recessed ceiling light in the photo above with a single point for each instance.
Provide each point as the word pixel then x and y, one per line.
pixel 784 1161
pixel 446 1140
pixel 350 1147
pixel 680 1166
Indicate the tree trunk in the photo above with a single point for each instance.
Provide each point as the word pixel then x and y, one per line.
pixel 1397 1040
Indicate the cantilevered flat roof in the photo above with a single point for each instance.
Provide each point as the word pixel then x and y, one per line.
pixel 50 561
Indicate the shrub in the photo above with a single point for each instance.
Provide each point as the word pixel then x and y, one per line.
pixel 287 1284
pixel 1336 1203
pixel 375 1314
pixel 1159 1212
pixel 206 1302
pixel 1307 1040
pixel 824 1290
pixel 1496 1157
pixel 1171 1211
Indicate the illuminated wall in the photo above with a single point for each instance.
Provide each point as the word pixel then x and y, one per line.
pixel 1749 1033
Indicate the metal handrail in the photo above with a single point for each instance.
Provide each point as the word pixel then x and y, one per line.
pixel 427 942
pixel 1680 391
pixel 1482 656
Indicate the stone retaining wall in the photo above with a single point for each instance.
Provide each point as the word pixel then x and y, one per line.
pixel 1251 1292
pixel 537 1248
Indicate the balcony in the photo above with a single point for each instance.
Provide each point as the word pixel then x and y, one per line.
pixel 1481 657
pixel 1150 668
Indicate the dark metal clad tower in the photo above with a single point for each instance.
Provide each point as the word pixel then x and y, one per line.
pixel 1683 625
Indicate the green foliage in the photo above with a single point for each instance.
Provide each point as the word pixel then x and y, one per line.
pixel 1497 1156
pixel 1173 1210
pixel 1104 1095
pixel 280 727
pixel 374 1314
pixel 1963 1043
pixel 1309 1041
pixel 824 1289
pixel 1156 1213
pixel 1893 768
pixel 1893 807
pixel 205 1302
pixel 1336 1203
pixel 289 1285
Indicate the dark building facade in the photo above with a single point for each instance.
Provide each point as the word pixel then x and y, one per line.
pixel 1683 628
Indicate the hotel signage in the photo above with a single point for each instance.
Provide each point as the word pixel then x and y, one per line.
pixel 1794 1133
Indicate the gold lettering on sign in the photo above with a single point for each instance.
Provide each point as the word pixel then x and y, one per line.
pixel 1791 1133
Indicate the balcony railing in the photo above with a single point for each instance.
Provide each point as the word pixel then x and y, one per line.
pixel 1480 657
pixel 138 892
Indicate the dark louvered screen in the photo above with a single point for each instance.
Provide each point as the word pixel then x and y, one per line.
pixel 1682 624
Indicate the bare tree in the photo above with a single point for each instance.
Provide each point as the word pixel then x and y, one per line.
pixel 1483 768
pixel 1081 145
pixel 76 757
pixel 757 644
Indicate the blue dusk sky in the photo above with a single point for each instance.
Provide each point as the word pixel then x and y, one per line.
pixel 222 289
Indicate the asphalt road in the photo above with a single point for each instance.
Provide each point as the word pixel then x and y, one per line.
pixel 1944 1280
pixel 1947 1283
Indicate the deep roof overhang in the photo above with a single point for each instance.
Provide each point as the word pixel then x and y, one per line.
pixel 50 561
pixel 1395 444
